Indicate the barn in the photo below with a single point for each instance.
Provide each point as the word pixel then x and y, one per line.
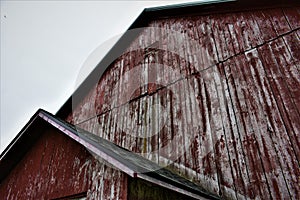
pixel 195 101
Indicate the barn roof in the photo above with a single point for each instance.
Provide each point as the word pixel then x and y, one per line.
pixel 149 14
pixel 130 163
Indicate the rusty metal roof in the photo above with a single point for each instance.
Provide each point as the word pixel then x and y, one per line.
pixel 130 163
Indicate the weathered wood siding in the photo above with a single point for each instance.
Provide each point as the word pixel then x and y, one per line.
pixel 217 97
pixel 56 167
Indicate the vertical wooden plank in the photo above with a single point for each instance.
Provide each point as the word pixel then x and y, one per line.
pixel 216 132
pixel 252 34
pixel 194 46
pixel 256 114
pixel 31 166
pixel 99 101
pixel 173 125
pixel 278 20
pixel 126 136
pixel 188 42
pixel 96 186
pixel 157 123
pixel 230 33
pixel 70 173
pixel 218 34
pixel 173 131
pixel 233 35
pixel 207 52
pixel 293 16
pixel 152 72
pixel 223 22
pixel 155 128
pixel 241 31
pixel 144 123
pixel 233 145
pixel 139 127
pixel 144 67
pixel 175 58
pixel 132 124
pixel 210 161
pixel 185 126
pixel 60 175
pixel 285 105
pixel 224 137
pixel 114 75
pixel 41 180
pixel 239 94
pixel 55 163
pixel 272 168
pixel 120 133
pixel 162 134
pixel 266 28
pixel 108 183
pixel 107 133
pixel 153 137
pixel 116 130
pixel 190 133
pixel 158 57
pixel 196 125
pixel 120 187
pixel 218 136
pixel 287 68
pixel 202 148
pixel 101 122
pixel 79 169
pixel 147 125
pixel 115 84
pixel 193 42
pixel 292 42
pixel 141 132
pixel 286 142
pixel 163 56
pixel 239 161
pixel 113 125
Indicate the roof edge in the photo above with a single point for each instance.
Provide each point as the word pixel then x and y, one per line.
pixel 43 119
pixel 185 5
pixel 20 134
pixel 103 65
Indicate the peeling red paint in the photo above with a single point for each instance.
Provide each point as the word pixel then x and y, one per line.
pixel 57 167
pixel 240 71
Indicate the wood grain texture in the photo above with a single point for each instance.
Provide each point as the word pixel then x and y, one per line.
pixel 215 98
pixel 56 167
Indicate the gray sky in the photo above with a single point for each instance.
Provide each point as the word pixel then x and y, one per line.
pixel 44 47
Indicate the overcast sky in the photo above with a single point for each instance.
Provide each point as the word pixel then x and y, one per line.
pixel 44 47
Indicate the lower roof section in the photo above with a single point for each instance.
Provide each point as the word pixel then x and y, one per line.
pixel 130 163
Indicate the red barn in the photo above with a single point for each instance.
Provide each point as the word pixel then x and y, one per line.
pixel 194 101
